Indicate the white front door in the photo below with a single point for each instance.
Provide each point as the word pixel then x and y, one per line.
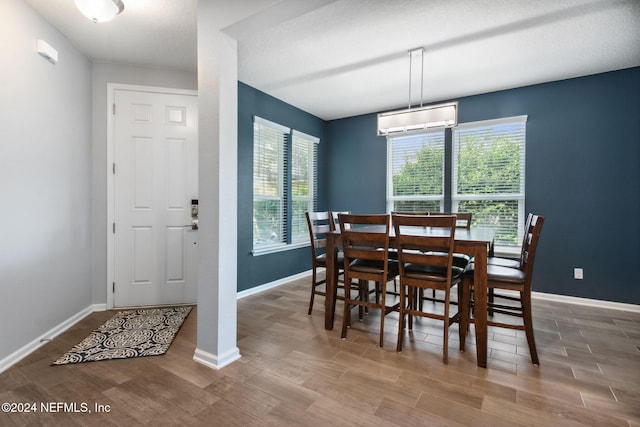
pixel 155 181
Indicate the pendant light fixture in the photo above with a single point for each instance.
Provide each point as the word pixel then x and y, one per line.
pixel 100 10
pixel 420 118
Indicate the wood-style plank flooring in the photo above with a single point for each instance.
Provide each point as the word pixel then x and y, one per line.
pixel 294 372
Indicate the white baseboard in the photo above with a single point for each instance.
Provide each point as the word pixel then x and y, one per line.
pixel 275 283
pixel 32 346
pixel 621 306
pixel 216 362
pixel 99 307
pixel 634 308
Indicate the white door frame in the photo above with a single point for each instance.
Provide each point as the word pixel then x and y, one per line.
pixel 111 90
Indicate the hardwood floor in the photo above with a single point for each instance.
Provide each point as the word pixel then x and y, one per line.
pixel 294 372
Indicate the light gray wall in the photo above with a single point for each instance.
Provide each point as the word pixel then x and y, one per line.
pixel 104 73
pixel 53 137
pixel 45 179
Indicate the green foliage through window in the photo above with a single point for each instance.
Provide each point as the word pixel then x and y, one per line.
pixel 488 160
pixel 416 167
pixel 488 175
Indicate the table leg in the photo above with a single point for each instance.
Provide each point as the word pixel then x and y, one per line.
pixel 480 308
pixel 331 281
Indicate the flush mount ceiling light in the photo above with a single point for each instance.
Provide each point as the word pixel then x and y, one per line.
pixel 421 118
pixel 100 10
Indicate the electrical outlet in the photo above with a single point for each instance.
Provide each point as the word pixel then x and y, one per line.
pixel 578 273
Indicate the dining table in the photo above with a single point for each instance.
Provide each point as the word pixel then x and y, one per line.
pixel 474 241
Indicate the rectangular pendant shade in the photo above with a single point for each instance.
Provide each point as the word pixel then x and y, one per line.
pixel 416 119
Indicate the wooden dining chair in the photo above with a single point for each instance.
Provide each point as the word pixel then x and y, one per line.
pixel 365 242
pixel 319 224
pixel 508 262
pixel 516 279
pixel 335 225
pixel 426 262
pixel 393 253
pixel 463 220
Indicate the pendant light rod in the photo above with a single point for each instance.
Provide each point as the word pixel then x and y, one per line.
pixel 410 67
pixel 420 119
pixel 419 51
pixel 422 77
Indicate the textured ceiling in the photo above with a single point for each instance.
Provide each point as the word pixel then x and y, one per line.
pixel 338 58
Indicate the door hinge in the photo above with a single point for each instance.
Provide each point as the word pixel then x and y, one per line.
pixel 114 109
pixel 114 168
pixel 114 228
pixel 113 287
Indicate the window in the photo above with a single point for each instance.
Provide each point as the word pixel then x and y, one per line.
pixel 488 175
pixel 304 154
pixel 415 172
pixel 284 185
pixel 269 141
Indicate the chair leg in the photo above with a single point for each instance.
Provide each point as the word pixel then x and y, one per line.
pixel 361 285
pixel 401 318
pixel 313 291
pixel 461 335
pixel 363 295
pixel 464 305
pixel 528 325
pixel 490 298
pixel 445 344
pixel 411 302
pixel 346 318
pixel 382 313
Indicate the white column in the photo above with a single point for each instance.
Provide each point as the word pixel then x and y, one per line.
pixel 218 162
pixel 218 183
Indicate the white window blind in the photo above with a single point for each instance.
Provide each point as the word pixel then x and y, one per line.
pixel 488 175
pixel 304 149
pixel 269 157
pixel 415 172
pixel 284 186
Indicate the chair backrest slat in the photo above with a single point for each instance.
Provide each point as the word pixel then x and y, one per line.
pixel 463 219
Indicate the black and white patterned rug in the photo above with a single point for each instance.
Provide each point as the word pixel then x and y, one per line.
pixel 131 333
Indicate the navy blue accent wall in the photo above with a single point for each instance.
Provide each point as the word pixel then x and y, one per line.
pixel 357 160
pixel 258 270
pixel 582 174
